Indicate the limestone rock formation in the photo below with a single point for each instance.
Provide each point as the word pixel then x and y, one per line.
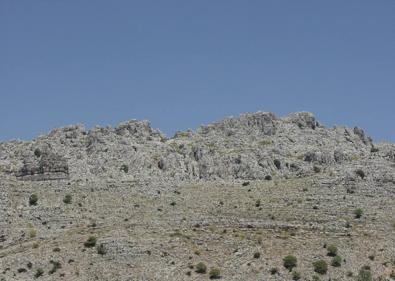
pixel 157 206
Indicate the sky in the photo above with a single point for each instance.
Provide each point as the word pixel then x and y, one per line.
pixel 181 64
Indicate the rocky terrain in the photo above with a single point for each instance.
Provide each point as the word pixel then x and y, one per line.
pixel 254 197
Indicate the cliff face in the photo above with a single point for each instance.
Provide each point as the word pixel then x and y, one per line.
pixel 256 175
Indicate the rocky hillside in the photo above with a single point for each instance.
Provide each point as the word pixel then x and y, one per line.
pixel 237 197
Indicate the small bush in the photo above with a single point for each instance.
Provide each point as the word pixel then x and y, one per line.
pixel 101 249
pixel 67 199
pixel 125 168
pixel 336 261
pixel 33 199
pixel 290 262
pixel 358 213
pixel 277 163
pixel 296 275
pixel 37 152
pixel 273 271
pixel 268 177
pixel 201 268
pixel 55 266
pixel 91 242
pixel 258 203
pixel 215 273
pixel 257 255
pixel 320 267
pixel 39 273
pixel 332 250
pixel 360 173
pixel 32 233
pixel 316 278
pixel 317 169
pixel 365 274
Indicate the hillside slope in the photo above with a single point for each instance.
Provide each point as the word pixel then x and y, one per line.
pixel 238 195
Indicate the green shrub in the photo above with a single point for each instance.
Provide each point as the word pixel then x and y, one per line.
pixel 258 203
pixel 91 242
pixel 201 268
pixel 33 199
pixel 277 163
pixel 214 273
pixel 101 249
pixel 360 173
pixel 336 261
pixel 358 213
pixel 332 250
pixel 290 262
pixel 55 266
pixel 365 274
pixel 257 255
pixel 39 273
pixel 67 199
pixel 296 275
pixel 320 266
pixel 125 168
pixel 316 278
pixel 273 271
pixel 37 152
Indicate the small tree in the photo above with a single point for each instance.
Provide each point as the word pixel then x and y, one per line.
pixel 33 199
pixel 332 250
pixel 215 273
pixel 320 266
pixel 290 262
pixel 201 268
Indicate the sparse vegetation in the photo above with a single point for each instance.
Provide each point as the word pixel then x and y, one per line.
pixel 358 213
pixel 214 273
pixel 320 266
pixel 290 262
pixel 336 261
pixel 360 173
pixel 365 274
pixel 67 199
pixel 55 266
pixel 91 242
pixel 201 268
pixel 332 250
pixel 257 255
pixel 101 249
pixel 33 199
pixel 296 275
pixel 277 163
pixel 125 168
pixel 39 273
pixel 37 152
pixel 258 203
pixel 273 271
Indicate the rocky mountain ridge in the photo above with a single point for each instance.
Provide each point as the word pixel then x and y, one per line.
pixel 238 196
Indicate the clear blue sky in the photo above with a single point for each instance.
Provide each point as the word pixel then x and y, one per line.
pixel 185 63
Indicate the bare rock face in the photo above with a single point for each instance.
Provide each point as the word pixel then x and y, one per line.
pixel 44 166
pixel 240 194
